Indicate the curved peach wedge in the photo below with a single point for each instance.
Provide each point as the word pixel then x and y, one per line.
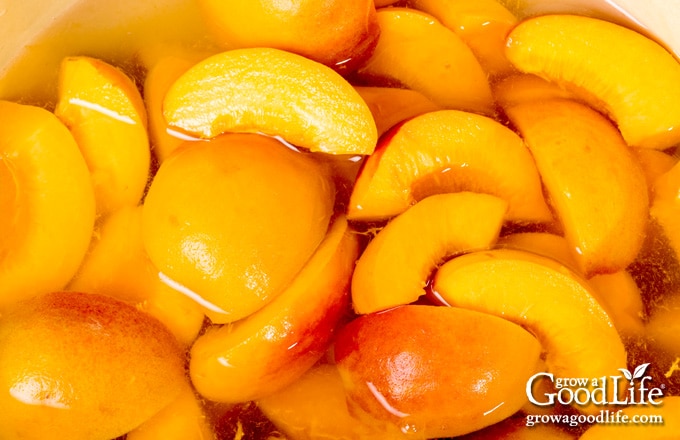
pixel 211 201
pixel 396 265
pixel 86 366
pixel 543 296
pixel 482 25
pixel 436 371
pixel 47 205
pixel 418 52
pixel 271 348
pixel 104 110
pixel 273 92
pixel 622 72
pixel 593 181
pixel 448 151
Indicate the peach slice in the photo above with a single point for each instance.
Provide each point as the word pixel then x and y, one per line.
pixel 655 164
pixel 315 406
pixel 396 265
pixel 523 87
pixel 622 72
pixel 84 367
pixel 210 201
pixel 663 423
pixel 436 371
pixel 543 296
pixel 416 51
pixel 448 151
pixel 604 215
pixel 183 419
pixel 160 76
pixel 273 92
pixel 268 350
pixel 46 203
pixel 482 24
pixel 617 292
pixel 105 112
pixel 117 265
pixel 390 105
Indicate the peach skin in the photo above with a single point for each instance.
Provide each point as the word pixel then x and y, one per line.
pixel 270 349
pixel 397 264
pixel 621 72
pixel 410 40
pixel 84 367
pixel 273 92
pixel 46 200
pixel 448 151
pixel 604 216
pixel 436 371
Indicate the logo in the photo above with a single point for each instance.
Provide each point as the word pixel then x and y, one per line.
pixel 630 389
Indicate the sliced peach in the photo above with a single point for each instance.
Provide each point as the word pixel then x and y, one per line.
pixel 231 221
pixel 46 203
pixel 396 265
pixel 667 186
pixel 273 92
pixel 416 51
pixel 448 151
pixel 662 423
pixel 268 350
pixel 183 419
pixel 523 87
pixel 436 371
pixel 390 105
pixel 104 110
pixel 543 296
pixel 160 76
pixel 655 164
pixel 117 265
pixel 315 406
pixel 482 24
pixel 622 72
pixel 521 427
pixel 663 326
pixel 594 183
pixel 618 293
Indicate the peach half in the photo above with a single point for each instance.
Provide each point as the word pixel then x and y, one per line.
pixel 594 183
pixel 418 52
pixel 47 204
pixel 104 110
pixel 448 151
pixel 436 371
pixel 628 76
pixel 396 265
pixel 543 296
pixel 270 349
pixel 274 92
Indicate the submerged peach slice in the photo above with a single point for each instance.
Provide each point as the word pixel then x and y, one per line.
pixel 543 296
pixel 482 24
pixel 105 112
pixel 47 203
pixel 522 87
pixel 416 51
pixel 594 183
pixel 273 92
pixel 390 105
pixel 315 406
pixel 397 263
pixel 273 347
pixel 448 151
pixel 434 371
pixel 625 74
